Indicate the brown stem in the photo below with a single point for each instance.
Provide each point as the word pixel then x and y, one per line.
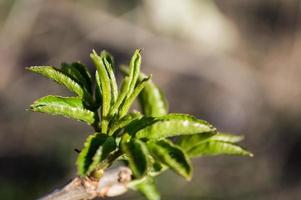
pixel 114 182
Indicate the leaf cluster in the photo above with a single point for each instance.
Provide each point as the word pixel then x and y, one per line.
pixel 149 142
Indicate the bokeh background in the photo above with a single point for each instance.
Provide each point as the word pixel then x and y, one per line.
pixel 233 63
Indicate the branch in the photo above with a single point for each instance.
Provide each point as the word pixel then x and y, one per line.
pixel 112 183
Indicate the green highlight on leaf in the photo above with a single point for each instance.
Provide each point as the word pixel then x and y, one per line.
pixel 128 86
pixel 59 77
pixel 186 142
pixel 171 125
pixel 122 95
pixel 108 63
pixel 226 137
pixel 137 154
pixel 70 107
pixel 151 99
pixel 213 148
pixel 105 85
pixel 129 101
pixel 98 93
pixel 134 71
pixel 212 143
pixel 171 155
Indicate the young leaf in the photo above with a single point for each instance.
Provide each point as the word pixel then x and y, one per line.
pixel 134 126
pixel 148 189
pixel 225 137
pixel 171 125
pixel 187 142
pixel 123 122
pixel 122 95
pixel 102 152
pixel 71 107
pixel 79 73
pixel 104 84
pixel 129 101
pixel 212 147
pixel 151 98
pixel 172 156
pixel 129 82
pixel 98 95
pixel 108 62
pixel 137 154
pixel 60 77
pixel 134 71
pixel 85 158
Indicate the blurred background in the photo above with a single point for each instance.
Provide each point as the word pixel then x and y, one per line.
pixel 233 63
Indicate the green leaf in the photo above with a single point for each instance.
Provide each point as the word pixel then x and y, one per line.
pixel 212 147
pixel 123 122
pixel 98 95
pixel 187 142
pixel 134 126
pixel 134 71
pixel 60 77
pixel 129 83
pixel 70 107
pixel 148 189
pixel 85 158
pixel 79 73
pixel 152 100
pixel 122 95
pixel 137 154
pixel 225 137
pixel 108 146
pixel 108 62
pixel 158 168
pixel 129 101
pixel 172 156
pixel 105 85
pixel 103 82
pixel 169 125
